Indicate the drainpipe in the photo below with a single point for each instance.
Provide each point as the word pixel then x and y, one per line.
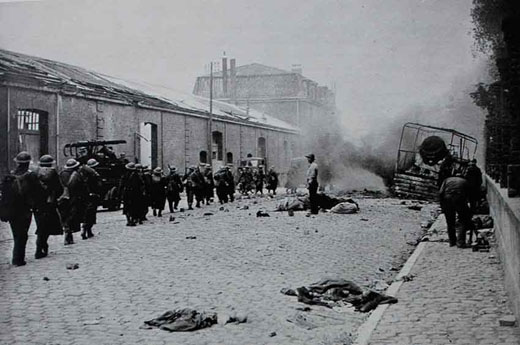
pixel 8 129
pixel 58 106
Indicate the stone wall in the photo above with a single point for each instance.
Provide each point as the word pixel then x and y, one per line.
pixel 506 215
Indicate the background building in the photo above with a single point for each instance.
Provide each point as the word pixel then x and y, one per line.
pixel 46 104
pixel 286 95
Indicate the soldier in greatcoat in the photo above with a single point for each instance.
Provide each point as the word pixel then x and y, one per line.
pixel 272 180
pixel 198 185
pixel 158 191
pixel 221 184
pixel 190 191
pixel 230 179
pixel 259 179
pixel 132 189
pixel 20 194
pixel 93 182
pixel 47 218
pixel 209 184
pixel 146 201
pixel 173 189
pixel 73 203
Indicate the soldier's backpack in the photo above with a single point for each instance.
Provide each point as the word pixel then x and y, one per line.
pixel 9 195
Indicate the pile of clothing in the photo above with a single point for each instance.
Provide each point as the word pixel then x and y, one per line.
pixel 182 320
pixel 335 292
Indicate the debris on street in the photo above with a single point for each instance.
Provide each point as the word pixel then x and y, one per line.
pixel 345 208
pixel 262 214
pixel 182 320
pixel 337 292
pixel 415 207
pixel 72 266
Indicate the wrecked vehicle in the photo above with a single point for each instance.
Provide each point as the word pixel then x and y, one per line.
pixel 110 167
pixel 425 154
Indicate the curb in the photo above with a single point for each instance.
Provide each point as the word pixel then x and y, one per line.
pixel 367 328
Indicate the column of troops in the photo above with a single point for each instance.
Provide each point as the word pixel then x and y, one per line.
pixel 66 201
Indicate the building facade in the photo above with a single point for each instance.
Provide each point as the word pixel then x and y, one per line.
pixel 45 105
pixel 287 95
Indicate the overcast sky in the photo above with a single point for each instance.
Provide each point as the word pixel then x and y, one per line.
pixel 384 56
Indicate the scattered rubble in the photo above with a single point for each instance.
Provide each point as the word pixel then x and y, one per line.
pixel 262 214
pixel 46 279
pixel 71 266
pixel 509 321
pixel 415 207
pixel 191 237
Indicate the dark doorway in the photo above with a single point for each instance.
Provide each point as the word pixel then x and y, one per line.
pixel 203 157
pixel 261 147
pixel 229 158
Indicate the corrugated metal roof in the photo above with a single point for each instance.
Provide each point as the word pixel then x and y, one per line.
pixel 21 68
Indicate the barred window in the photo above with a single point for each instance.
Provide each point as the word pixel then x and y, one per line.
pixel 28 120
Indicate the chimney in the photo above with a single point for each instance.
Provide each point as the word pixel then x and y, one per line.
pixel 297 68
pixel 233 79
pixel 224 77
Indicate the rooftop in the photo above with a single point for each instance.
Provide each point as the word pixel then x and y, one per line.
pixel 21 69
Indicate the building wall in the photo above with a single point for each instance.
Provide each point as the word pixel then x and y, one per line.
pixel 4 143
pixel 506 216
pixel 180 137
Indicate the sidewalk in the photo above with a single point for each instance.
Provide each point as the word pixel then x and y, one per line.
pixel 456 296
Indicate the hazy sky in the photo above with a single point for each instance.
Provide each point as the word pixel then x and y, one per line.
pixel 384 56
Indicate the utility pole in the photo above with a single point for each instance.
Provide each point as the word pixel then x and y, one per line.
pixel 210 120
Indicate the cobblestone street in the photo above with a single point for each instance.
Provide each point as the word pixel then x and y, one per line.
pixel 236 263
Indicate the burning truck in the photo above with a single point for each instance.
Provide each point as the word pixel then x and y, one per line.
pixel 424 154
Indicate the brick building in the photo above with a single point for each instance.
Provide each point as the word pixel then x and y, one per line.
pixel 46 104
pixel 289 96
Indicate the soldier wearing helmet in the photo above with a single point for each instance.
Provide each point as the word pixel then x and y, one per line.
pixel 72 203
pixel 93 183
pixel 21 194
pixel 47 218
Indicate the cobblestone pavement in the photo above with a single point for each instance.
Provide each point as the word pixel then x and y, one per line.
pixel 237 263
pixel 456 297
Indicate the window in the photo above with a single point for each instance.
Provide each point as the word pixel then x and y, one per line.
pixel 217 146
pixel 229 158
pixel 28 120
pixel 33 134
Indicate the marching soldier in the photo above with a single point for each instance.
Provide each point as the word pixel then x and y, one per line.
pixel 230 179
pixel 190 191
pixel 47 218
pixel 221 184
pixel 173 189
pixel 209 184
pixel 272 180
pixel 20 190
pixel 131 188
pixel 197 184
pixel 158 192
pixel 72 203
pixel 259 178
pixel 93 183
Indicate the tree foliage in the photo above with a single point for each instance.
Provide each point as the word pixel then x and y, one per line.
pixel 487 16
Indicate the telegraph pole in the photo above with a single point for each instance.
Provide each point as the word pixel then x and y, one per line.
pixel 210 121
